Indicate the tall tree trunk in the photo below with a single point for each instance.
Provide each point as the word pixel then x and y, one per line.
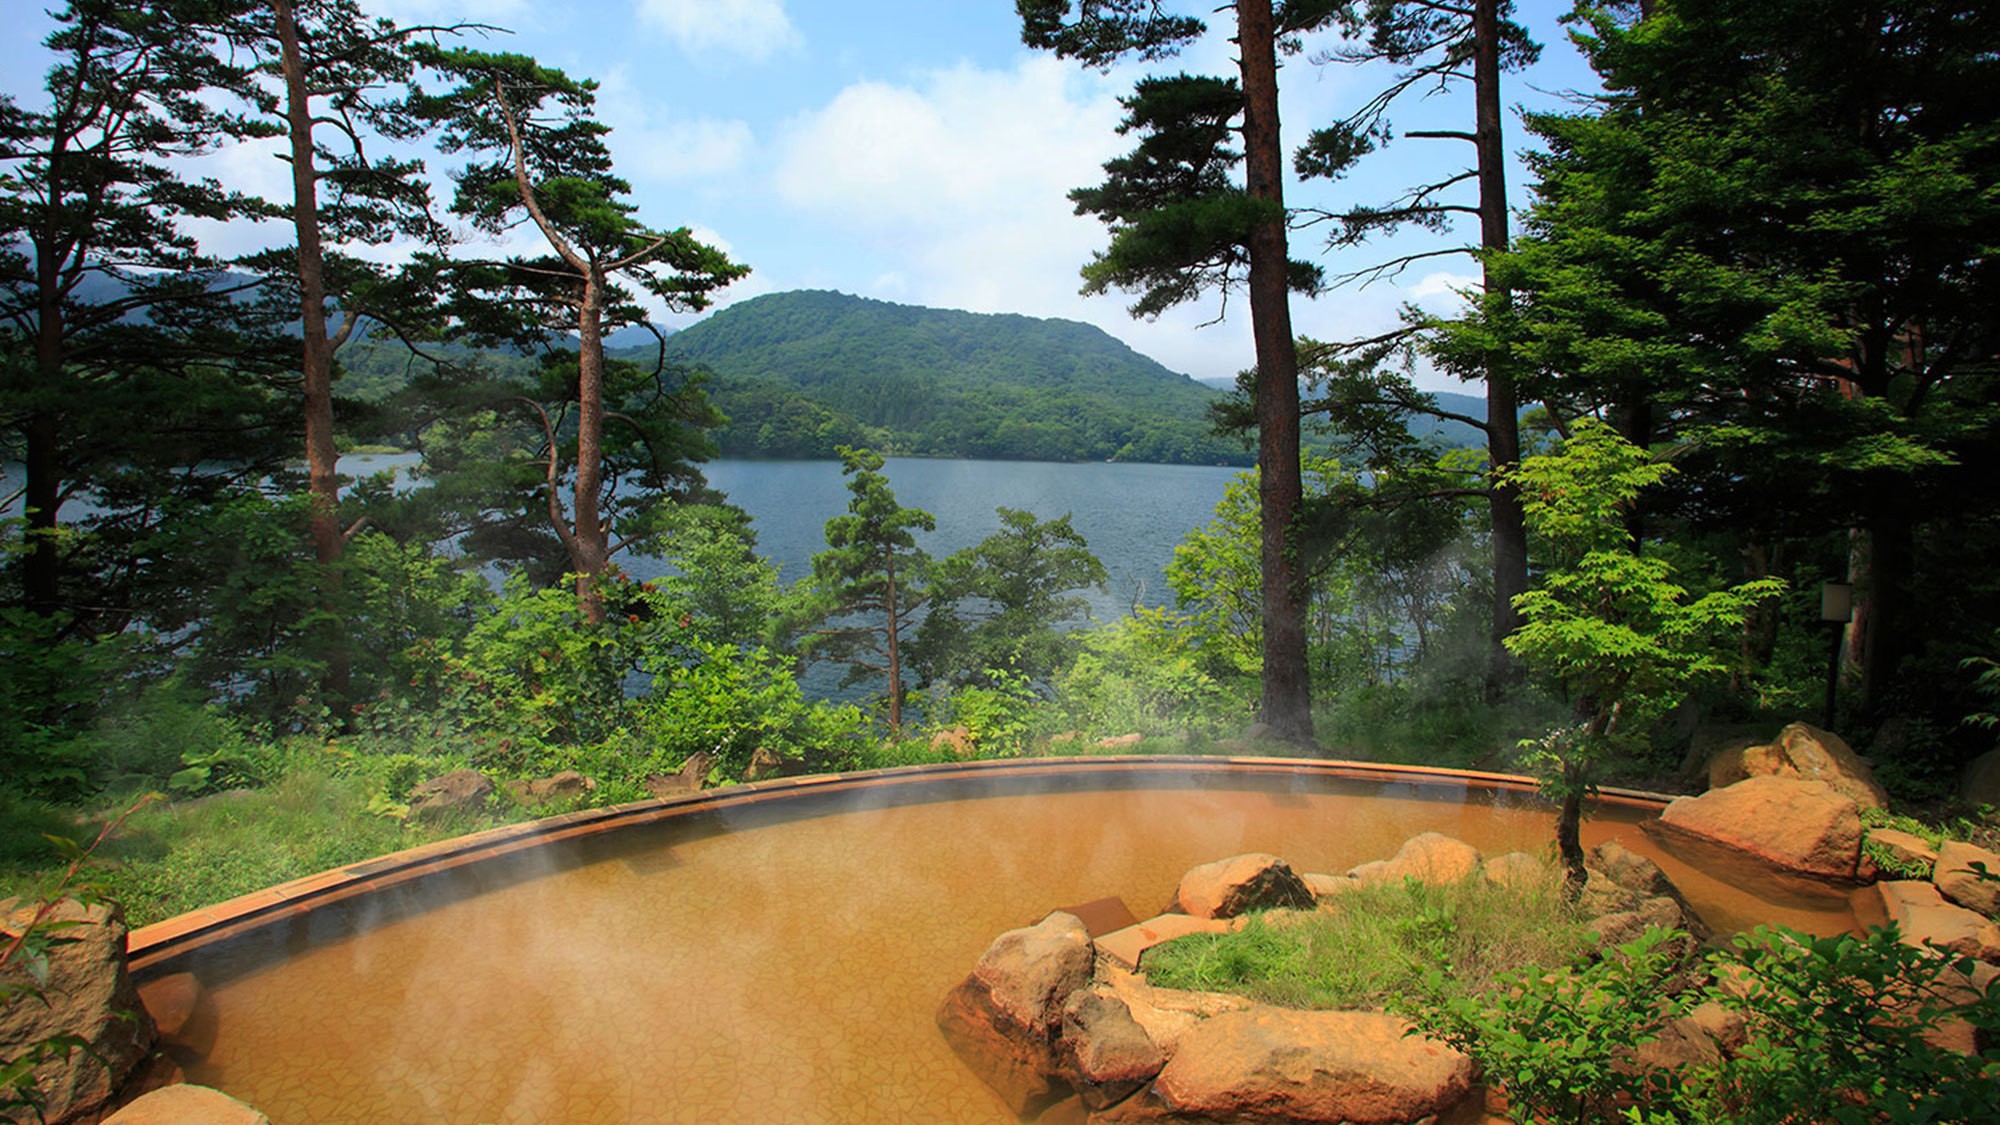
pixel 895 653
pixel 1878 567
pixel 1510 529
pixel 322 460
pixel 590 546
pixel 41 581
pixel 1287 702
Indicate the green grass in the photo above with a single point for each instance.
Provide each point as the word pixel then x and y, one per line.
pixel 172 858
pixel 1380 941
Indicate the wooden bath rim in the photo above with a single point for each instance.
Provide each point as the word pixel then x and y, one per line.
pixel 155 947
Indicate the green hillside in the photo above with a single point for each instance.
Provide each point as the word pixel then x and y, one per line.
pixel 801 372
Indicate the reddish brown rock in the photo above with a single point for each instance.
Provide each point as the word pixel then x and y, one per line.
pixel 1641 877
pixel 1630 870
pixel 1167 1014
pixel 459 790
pixel 1958 881
pixel 1431 858
pixel 1805 753
pixel 956 741
pixel 1801 826
pixel 1274 1065
pixel 563 786
pixel 1005 1017
pixel 1723 1024
pixel 1229 887
pixel 1908 852
pixel 1621 926
pixel 89 994
pixel 184 1012
pixel 1683 1042
pixel 1518 870
pixel 1105 1054
pixel 692 775
pixel 1326 888
pixel 187 1105
pixel 1926 920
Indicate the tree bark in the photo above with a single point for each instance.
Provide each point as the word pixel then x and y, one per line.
pixel 1287 690
pixel 1509 523
pixel 895 652
pixel 322 459
pixel 42 493
pixel 590 543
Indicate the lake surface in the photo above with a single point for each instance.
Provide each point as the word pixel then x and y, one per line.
pixel 1131 515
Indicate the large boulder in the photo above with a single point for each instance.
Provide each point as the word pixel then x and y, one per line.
pixel 1957 879
pixel 1005 1017
pixel 1643 879
pixel 1275 1065
pixel 1801 826
pixel 1233 886
pixel 88 994
pixel 1805 753
pixel 187 1105
pixel 1432 858
pixel 1106 1055
pixel 459 790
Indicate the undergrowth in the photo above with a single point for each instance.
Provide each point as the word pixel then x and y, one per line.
pixel 1380 941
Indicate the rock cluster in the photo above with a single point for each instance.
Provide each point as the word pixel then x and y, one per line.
pixel 1050 1013
pixel 1795 804
pixel 88 994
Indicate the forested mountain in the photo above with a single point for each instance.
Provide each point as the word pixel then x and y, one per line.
pixel 801 372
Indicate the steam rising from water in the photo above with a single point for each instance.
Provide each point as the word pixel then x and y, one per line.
pixel 786 969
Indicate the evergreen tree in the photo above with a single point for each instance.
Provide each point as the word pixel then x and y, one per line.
pixel 1181 227
pixel 1779 244
pixel 337 76
pixel 123 345
pixel 867 586
pixel 540 159
pixel 1438 45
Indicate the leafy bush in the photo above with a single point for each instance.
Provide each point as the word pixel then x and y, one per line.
pixel 1146 673
pixel 998 717
pixel 1837 1032
pixel 1559 1043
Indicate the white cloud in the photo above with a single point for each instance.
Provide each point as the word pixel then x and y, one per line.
pixel 651 143
pixel 1442 284
pixel 753 28
pixel 957 181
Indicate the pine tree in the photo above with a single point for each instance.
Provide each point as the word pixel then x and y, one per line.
pixel 540 158
pixel 1181 227
pixel 869 583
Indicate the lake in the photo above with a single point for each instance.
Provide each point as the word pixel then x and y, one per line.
pixel 1132 515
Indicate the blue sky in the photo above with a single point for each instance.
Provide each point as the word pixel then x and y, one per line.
pixel 915 151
